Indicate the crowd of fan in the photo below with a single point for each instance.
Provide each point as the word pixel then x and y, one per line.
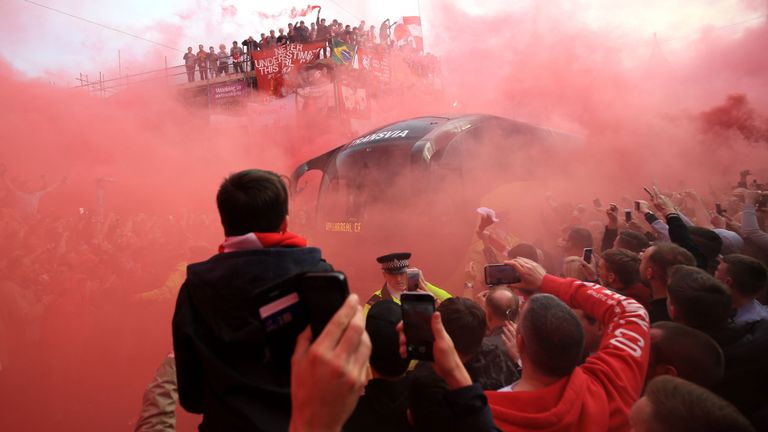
pixel 237 59
pixel 662 331
pixel 71 272
pixel 665 330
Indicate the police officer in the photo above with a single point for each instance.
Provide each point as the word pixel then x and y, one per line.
pixel 395 270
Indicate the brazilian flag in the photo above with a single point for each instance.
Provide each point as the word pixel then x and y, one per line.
pixel 342 52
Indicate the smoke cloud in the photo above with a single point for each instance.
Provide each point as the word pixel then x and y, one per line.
pixel 142 168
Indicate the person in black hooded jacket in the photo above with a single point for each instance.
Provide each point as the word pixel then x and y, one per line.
pixel 225 368
pixel 383 407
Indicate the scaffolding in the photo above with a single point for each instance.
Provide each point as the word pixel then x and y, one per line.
pixel 104 87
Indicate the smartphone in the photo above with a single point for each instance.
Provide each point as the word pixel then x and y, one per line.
pixel 627 215
pixel 413 280
pixel 323 294
pixel 587 255
pixel 596 202
pixel 287 307
pixel 418 308
pixel 500 274
pixel 719 209
pixel 637 206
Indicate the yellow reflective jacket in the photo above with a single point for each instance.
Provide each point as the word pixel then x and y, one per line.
pixel 383 294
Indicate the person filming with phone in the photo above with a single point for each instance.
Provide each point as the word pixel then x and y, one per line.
pixel 226 366
pixel 398 278
pixel 557 391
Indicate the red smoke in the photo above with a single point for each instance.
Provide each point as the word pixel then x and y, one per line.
pixel 86 360
pixel 736 115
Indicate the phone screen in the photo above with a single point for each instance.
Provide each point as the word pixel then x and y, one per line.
pixel 637 206
pixel 322 294
pixel 413 280
pixel 587 256
pixel 417 324
pixel 500 274
pixel 628 215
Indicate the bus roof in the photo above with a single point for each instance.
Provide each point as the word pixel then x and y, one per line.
pixel 406 133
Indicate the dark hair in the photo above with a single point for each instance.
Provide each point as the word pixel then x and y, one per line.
pixel 700 300
pixel 252 201
pixel 502 309
pixel 554 338
pixel 464 321
pixel 624 264
pixel 681 406
pixel 748 274
pixel 709 243
pixel 380 324
pixel 523 250
pixel 666 255
pixel 580 238
pixel 632 241
pixel 696 356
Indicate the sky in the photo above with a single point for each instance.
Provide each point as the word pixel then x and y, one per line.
pixel 49 45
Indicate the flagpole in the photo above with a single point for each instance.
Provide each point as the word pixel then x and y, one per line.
pixel 418 8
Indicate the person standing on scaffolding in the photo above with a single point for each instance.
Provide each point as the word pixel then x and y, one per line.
pixel 213 61
pixel 190 60
pixel 237 53
pixel 223 57
pixel 202 62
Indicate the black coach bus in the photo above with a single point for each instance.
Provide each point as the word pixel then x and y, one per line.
pixel 413 185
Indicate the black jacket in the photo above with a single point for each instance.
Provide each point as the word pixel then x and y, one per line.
pixel 224 369
pixel 657 310
pixel 746 375
pixel 250 45
pixel 382 408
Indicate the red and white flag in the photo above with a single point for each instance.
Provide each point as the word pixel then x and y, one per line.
pixel 409 29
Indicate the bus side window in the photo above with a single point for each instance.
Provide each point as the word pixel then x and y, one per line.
pixel 452 154
pixel 304 200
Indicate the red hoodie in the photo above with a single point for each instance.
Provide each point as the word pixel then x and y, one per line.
pixel 598 395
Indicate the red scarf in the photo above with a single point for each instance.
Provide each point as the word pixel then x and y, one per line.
pixel 262 240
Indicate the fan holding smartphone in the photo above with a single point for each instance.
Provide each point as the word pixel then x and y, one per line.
pixel 399 278
pixel 418 308
pixel 238 313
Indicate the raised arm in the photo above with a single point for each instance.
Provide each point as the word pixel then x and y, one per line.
pixel 678 231
pixel 749 226
pixel 467 401
pixel 6 182
pixel 611 228
pixel 621 362
pixel 700 210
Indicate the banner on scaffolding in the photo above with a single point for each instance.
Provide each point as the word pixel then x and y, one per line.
pixel 270 65
pixel 353 101
pixel 376 62
pixel 227 95
pixel 316 99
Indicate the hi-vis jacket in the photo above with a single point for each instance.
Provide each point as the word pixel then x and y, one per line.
pixel 384 294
